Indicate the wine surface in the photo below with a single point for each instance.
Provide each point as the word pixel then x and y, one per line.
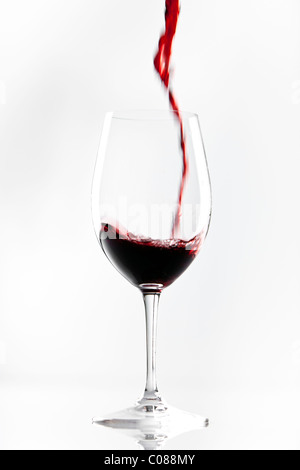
pixel 148 261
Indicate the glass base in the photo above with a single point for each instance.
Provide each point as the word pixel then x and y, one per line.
pixel 151 424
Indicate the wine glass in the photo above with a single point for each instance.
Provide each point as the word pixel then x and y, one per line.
pixel 136 202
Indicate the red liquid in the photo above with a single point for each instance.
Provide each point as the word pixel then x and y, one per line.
pixel 147 261
pixel 162 65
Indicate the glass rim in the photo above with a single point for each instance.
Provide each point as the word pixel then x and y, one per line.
pixel 149 114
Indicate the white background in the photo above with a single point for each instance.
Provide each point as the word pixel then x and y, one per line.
pixel 71 328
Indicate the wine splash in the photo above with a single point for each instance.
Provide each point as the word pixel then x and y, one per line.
pixel 162 65
pixel 148 261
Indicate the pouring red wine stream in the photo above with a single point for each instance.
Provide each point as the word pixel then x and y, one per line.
pixel 162 63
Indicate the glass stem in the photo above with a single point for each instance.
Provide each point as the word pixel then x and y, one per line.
pixel 151 301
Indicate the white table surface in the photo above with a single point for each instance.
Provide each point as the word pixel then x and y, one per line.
pixel 40 416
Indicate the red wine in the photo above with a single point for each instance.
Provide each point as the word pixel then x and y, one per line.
pixel 162 65
pixel 148 261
